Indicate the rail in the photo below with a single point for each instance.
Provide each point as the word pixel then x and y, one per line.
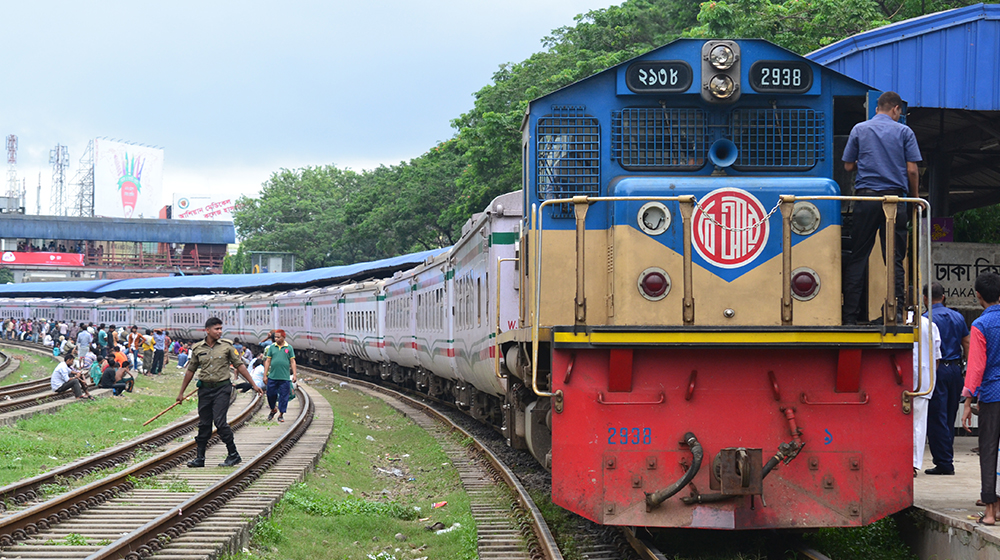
pixel 22 524
pixel 921 264
pixel 152 536
pixel 546 541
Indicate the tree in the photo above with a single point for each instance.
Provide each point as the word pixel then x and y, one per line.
pixel 489 134
pixel 6 276
pixel 806 25
pixel 238 263
pixel 301 212
pixel 979 225
pixel 328 216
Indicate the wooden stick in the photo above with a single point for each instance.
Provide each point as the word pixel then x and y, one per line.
pixel 169 408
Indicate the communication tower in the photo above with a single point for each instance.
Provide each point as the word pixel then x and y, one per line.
pixel 12 203
pixel 84 183
pixel 59 158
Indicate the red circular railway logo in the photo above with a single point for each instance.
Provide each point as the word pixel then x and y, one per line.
pixel 730 229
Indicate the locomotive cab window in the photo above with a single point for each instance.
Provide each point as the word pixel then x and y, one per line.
pixel 568 156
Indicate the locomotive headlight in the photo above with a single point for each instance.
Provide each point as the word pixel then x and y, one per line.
pixel 720 71
pixel 654 283
pixel 805 218
pixel 722 86
pixel 805 283
pixel 722 57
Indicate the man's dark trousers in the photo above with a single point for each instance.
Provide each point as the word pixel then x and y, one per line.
pixel 989 438
pixel 213 404
pixel 941 414
pixel 157 366
pixel 869 220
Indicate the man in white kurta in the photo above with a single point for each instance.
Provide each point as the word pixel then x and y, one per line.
pixel 922 380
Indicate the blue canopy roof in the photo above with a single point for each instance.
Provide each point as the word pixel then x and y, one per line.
pixel 948 60
pixel 215 283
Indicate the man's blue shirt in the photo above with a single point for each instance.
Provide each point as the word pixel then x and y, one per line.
pixel 953 329
pixel 882 147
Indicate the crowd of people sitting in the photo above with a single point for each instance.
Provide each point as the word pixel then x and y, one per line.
pixel 106 356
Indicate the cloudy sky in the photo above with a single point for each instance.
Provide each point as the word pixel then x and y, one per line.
pixel 236 90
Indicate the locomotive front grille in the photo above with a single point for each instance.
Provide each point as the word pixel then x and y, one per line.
pixel 777 138
pixel 650 139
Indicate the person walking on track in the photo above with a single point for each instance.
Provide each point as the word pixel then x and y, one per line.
pixel 210 360
pixel 279 374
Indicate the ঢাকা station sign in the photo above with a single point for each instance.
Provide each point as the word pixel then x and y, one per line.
pixel 41 258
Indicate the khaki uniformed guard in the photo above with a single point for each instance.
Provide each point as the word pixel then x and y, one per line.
pixel 212 357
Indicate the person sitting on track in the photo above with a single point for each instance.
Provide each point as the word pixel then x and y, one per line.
pixel 119 356
pixel 257 375
pixel 64 379
pixel 97 367
pixel 118 379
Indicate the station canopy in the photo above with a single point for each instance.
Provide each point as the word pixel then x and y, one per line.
pixel 173 286
pixel 946 67
pixel 21 226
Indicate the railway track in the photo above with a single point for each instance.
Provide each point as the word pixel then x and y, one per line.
pixel 157 504
pixel 506 530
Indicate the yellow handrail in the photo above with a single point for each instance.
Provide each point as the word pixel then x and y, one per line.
pixel 496 337
pixel 536 225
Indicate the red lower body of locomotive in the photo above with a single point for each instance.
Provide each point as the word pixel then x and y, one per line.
pixel 621 436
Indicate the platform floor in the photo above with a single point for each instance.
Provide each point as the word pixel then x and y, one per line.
pixel 950 501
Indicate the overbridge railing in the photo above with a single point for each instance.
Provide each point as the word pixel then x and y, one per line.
pixel 921 264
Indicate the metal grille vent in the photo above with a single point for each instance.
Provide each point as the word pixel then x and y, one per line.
pixel 777 138
pixel 659 138
pixel 568 153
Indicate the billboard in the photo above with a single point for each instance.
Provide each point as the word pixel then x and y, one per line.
pixel 128 179
pixel 202 207
pixel 15 258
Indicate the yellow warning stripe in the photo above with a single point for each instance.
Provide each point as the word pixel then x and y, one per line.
pixel 823 338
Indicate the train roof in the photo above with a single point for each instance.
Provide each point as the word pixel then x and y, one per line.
pixel 219 283
pixel 948 59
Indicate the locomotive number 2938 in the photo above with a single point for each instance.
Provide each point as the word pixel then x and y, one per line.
pixel 781 76
pixel 630 436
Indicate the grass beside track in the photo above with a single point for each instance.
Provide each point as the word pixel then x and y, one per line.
pixel 392 467
pixel 33 366
pixel 38 444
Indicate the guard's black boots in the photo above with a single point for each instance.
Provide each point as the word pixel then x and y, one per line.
pixel 232 459
pixel 198 461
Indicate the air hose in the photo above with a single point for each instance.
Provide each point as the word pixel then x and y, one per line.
pixel 656 498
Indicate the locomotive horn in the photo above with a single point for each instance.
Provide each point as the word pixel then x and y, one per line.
pixel 723 153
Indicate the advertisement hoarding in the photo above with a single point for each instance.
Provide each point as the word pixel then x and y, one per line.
pixel 201 207
pixel 128 179
pixel 15 258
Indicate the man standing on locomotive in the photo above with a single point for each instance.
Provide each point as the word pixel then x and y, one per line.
pixel 948 385
pixel 212 357
pixel 982 379
pixel 885 154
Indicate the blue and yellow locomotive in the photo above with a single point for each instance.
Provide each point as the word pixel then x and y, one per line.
pixel 680 342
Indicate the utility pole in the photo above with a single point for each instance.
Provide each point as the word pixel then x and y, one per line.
pixel 13 192
pixel 59 158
